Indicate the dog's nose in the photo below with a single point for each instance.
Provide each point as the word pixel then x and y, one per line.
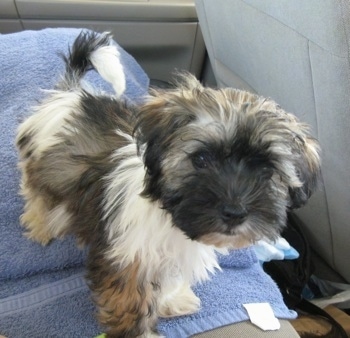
pixel 235 214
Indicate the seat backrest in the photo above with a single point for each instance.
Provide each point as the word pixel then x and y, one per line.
pixel 297 53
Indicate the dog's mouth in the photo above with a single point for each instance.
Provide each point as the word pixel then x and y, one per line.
pixel 232 227
pixel 231 231
pixel 238 235
pixel 222 240
pixel 234 234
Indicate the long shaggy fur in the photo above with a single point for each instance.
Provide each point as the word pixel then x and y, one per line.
pixel 155 189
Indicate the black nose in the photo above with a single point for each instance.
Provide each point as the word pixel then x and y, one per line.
pixel 235 214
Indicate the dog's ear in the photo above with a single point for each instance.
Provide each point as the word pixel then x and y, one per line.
pixel 163 113
pixel 295 153
pixel 306 160
pixel 159 122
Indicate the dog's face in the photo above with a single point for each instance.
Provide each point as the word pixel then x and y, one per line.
pixel 226 164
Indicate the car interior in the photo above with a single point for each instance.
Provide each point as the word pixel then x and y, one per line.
pixel 295 52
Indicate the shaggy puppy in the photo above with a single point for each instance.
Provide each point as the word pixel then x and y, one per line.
pixel 155 189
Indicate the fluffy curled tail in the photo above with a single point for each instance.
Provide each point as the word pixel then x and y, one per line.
pixel 91 50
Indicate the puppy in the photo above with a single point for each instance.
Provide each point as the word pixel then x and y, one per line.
pixel 156 188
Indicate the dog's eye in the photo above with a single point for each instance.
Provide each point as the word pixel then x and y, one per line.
pixel 201 160
pixel 262 167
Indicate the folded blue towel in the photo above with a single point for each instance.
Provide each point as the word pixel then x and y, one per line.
pixel 57 310
pixel 42 289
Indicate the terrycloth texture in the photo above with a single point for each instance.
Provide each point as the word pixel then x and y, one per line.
pixel 241 281
pixel 42 289
pixel 64 309
pixel 57 310
pixel 29 62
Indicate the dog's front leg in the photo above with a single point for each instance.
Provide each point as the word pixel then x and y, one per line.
pixel 125 300
pixel 177 300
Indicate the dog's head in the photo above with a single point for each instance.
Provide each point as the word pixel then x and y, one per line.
pixel 226 164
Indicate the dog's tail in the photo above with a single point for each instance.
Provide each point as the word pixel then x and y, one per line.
pixel 91 50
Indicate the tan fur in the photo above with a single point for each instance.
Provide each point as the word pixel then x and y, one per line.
pixel 224 241
pixel 35 212
pixel 40 209
pixel 34 219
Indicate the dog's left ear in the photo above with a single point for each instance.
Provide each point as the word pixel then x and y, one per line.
pixel 306 152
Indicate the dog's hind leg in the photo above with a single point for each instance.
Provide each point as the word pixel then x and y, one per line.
pixel 43 223
pixel 34 218
pixel 42 217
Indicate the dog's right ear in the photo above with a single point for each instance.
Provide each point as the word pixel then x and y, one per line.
pixel 159 120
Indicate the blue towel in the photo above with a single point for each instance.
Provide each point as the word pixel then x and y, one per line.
pixel 57 310
pixel 42 289
pixel 63 308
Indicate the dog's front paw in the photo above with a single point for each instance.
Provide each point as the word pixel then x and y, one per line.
pixel 181 302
